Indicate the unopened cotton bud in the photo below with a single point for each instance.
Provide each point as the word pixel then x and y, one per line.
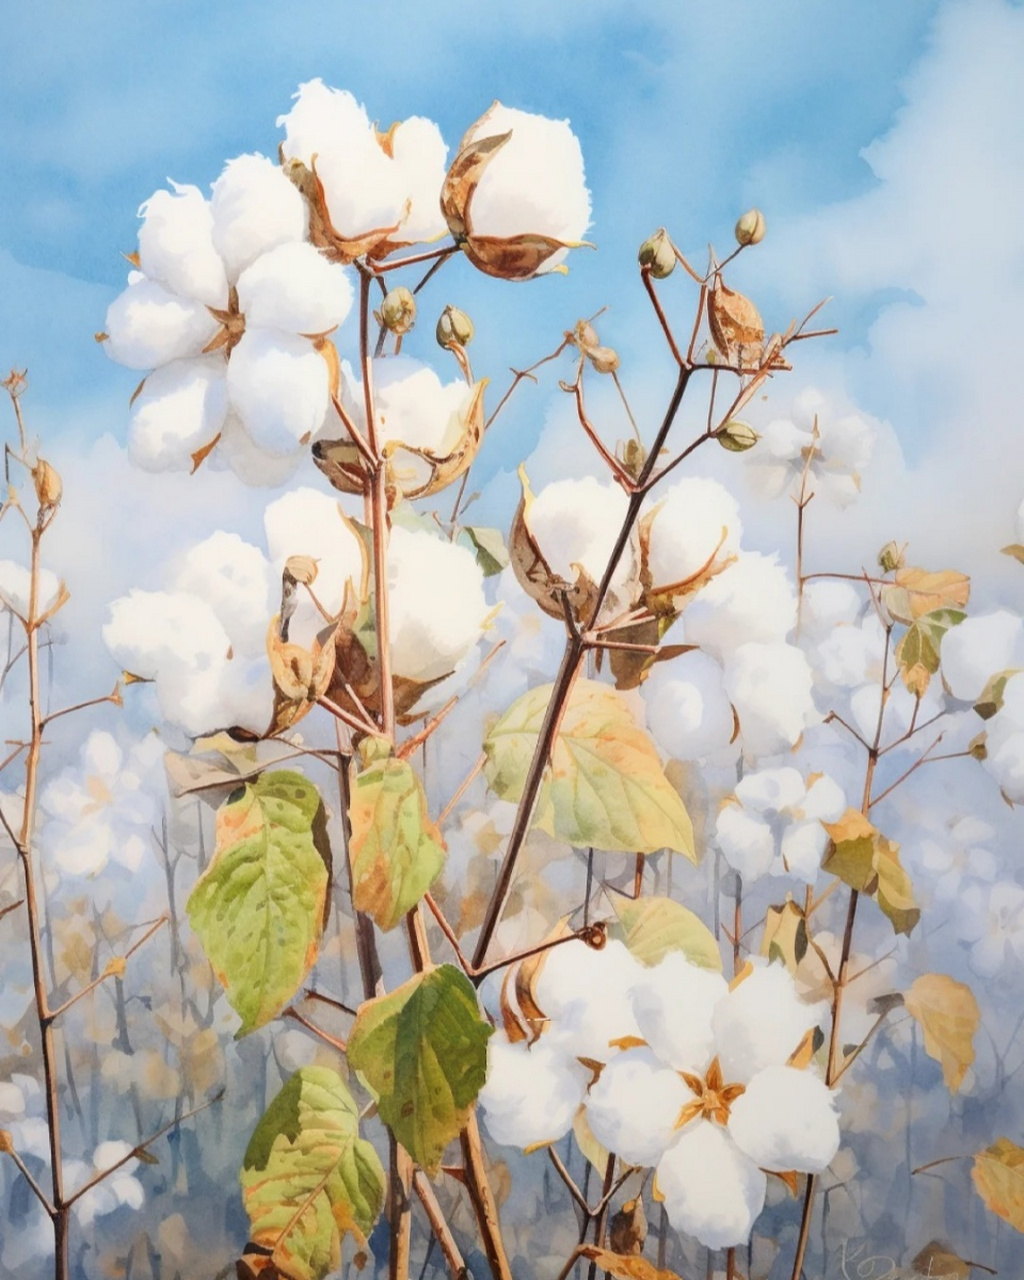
pixel 302 568
pixel 49 486
pixel 977 748
pixel 890 558
pixel 737 436
pixel 750 228
pixel 604 359
pixel 398 311
pixel 454 328
pixel 658 255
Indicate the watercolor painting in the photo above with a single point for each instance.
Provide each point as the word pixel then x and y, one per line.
pixel 512 641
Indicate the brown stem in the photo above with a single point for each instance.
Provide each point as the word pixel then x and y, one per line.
pixel 439 1226
pixel 400 1209
pixel 482 1197
pixel 602 1215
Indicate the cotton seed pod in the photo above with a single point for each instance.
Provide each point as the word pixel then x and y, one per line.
pixel 454 327
pixel 658 254
pixel 398 311
pixel 750 228
pixel 604 359
pixel 890 558
pixel 49 487
pixel 737 436
pixel 302 568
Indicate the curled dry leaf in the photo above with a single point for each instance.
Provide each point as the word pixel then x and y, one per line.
pixel 998 1177
pixel 735 323
pixel 937 1261
pixel 785 935
pixel 628 1229
pixel 624 1268
pixel 915 592
pixel 949 1016
pixel 300 675
pixel 865 860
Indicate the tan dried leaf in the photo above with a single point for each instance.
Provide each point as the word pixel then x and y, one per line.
pixel 464 174
pixel 628 1229
pixel 937 1261
pixel 300 675
pixel 949 1016
pixel 624 1268
pixel 735 323
pixel 915 592
pixel 785 934
pixel 998 1177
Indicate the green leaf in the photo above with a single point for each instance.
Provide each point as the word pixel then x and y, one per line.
pixel 865 860
pixel 396 851
pixel 308 1178
pixel 605 786
pixel 652 927
pixel 990 700
pixel 422 1052
pixel 489 544
pixel 259 907
pixel 918 651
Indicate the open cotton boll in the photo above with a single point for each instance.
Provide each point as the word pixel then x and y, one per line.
pixel 785 1120
pixel 761 1022
pixel 239 584
pixel 770 687
pixel 251 464
pixel 848 655
pixel 147 326
pixel 577 522
pixel 420 154
pixel 180 409
pixel 673 1002
pixel 202 700
pixel 278 385
pixel 688 710
pixel 534 184
pixel 828 605
pixel 295 288
pixel 1005 741
pixel 771 790
pixel 753 599
pixel 413 406
pixel 695 519
pixel 176 246
pixel 437 604
pixel 532 1092
pixel 16 588
pixel 586 996
pixel 712 1191
pixel 255 208
pixel 746 841
pixel 151 632
pixel 633 1106
pixel 978 648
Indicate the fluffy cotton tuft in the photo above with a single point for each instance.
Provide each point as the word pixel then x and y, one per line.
pixel 688 710
pixel 181 409
pixel 576 522
pixel 770 685
pixel 295 288
pixel 255 208
pixel 586 994
pixel 147 326
pixel 752 600
pixel 761 1022
pixel 176 246
pixel 633 1107
pixel 712 1191
pixel 532 1092
pixel 785 1120
pixel 673 1002
pixel 696 520
pixel 279 386
pixel 978 648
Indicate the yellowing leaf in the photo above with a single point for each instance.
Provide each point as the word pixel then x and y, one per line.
pixel 422 1051
pixel 918 651
pixel 258 909
pixel 894 892
pixel 998 1177
pixel 1015 550
pixel 915 592
pixel 785 935
pixel 631 1267
pixel 396 851
pixel 949 1016
pixel 605 786
pixel 308 1179
pixel 990 700
pixel 865 860
pixel 652 927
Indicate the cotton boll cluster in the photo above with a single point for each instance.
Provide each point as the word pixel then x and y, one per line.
pixel 199 641
pixel 104 807
pixel 235 277
pixel 772 825
pixel 833 451
pixel 379 189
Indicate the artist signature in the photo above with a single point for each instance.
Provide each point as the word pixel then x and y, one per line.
pixel 857 1262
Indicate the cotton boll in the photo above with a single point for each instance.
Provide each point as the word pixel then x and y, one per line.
pixel 712 1190
pixel 420 154
pixel 532 1092
pixel 752 600
pixel 146 326
pixel 239 584
pixel 151 632
pixel 761 1022
pixel 827 605
pixel 278 385
pixel 238 692
pixel 850 655
pixel 586 994
pixel 176 246
pixel 1005 741
pixel 688 710
pixel 251 464
pixel 255 208
pixel 770 687
pixel 633 1107
pixel 413 406
pixel 802 848
pixel 535 182
pixel 16 588
pixel 978 648
pixel 695 519
pixel 786 1119
pixel 437 604
pixel 673 1002
pixel 771 790
pixel 296 289
pixel 180 409
pixel 577 522
pixel 746 841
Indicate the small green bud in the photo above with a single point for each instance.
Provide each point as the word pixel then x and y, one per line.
pixel 737 436
pixel 750 228
pixel 658 254
pixel 454 328
pixel 398 311
pixel 890 558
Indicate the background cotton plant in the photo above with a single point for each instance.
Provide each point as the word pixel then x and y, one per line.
pixel 471 821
